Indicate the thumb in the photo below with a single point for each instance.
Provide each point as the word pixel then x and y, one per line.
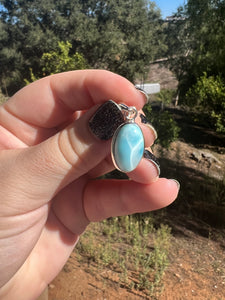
pixel 37 173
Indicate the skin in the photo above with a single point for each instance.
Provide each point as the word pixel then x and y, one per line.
pixel 48 160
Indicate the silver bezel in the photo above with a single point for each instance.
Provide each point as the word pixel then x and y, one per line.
pixel 112 146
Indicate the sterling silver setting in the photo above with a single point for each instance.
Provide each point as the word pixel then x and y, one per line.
pixel 127 146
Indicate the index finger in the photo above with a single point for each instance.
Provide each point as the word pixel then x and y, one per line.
pixel 52 100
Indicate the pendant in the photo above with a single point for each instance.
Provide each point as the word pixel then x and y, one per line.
pixel 128 142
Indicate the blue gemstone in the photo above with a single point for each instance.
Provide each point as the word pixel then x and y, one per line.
pixel 128 147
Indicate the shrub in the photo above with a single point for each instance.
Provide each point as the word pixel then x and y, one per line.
pixel 130 246
pixel 208 95
pixel 166 127
pixel 166 96
pixel 61 60
pixel 58 61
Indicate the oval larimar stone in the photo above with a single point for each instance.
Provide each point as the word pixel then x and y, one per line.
pixel 127 147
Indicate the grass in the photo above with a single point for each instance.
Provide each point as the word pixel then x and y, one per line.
pixel 132 248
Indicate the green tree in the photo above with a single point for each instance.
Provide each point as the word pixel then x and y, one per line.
pixel 9 59
pixel 208 95
pixel 167 128
pixel 196 42
pixel 122 36
pixel 28 37
pixel 129 33
pixel 59 61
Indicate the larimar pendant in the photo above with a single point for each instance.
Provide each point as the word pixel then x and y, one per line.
pixel 128 142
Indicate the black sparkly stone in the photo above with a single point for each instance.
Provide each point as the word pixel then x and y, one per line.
pixel 106 120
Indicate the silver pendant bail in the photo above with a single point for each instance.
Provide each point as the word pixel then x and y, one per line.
pixel 129 112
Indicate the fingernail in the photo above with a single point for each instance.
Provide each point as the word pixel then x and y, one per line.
pixel 145 121
pixel 177 183
pixel 151 157
pixel 143 93
pixel 106 120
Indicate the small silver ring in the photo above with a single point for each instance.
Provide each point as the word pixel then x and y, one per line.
pixel 130 112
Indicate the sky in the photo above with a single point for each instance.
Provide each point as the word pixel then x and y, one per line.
pixel 168 7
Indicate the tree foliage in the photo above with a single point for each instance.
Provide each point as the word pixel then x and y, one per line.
pixel 167 128
pixel 58 61
pixel 121 36
pixel 61 60
pixel 196 42
pixel 208 94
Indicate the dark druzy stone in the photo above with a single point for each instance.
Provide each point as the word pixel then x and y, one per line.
pixel 106 120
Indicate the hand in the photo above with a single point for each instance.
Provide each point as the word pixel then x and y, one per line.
pixel 48 159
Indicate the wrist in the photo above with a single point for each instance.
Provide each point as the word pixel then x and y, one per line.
pixel 32 278
pixel 23 286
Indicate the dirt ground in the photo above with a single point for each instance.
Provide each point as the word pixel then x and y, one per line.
pixel 197 253
pixel 197 260
pixel 196 272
